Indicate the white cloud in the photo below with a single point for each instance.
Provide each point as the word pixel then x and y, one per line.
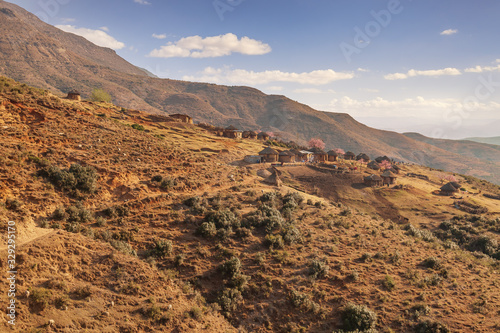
pixel 142 2
pixel 448 32
pixel 363 70
pixel 104 29
pixel 159 36
pixel 308 91
pixel 242 76
pixel 216 46
pixel 482 69
pixel 414 73
pixel 98 37
pixel 274 88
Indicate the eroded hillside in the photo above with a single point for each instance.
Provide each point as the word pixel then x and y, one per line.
pixel 127 223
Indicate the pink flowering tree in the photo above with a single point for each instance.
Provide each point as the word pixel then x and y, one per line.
pixel 385 165
pixel 339 151
pixel 445 177
pixel 316 143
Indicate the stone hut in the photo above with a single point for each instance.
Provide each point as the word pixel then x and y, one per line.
pixel 449 189
pixel 363 157
pixel 183 118
pixel 74 95
pixel 349 156
pixel 373 165
pixel 388 178
pixel 373 180
pixel 332 156
pixel 269 155
pixel 249 135
pixel 232 132
pixel 319 155
pixel 286 157
pixel 263 136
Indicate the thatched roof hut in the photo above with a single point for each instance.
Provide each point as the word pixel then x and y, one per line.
pixel 286 157
pixel 74 95
pixel 382 158
pixel 183 118
pixel 269 155
pixel 349 156
pixel 319 154
pixel 388 177
pixel 373 180
pixel 249 135
pixel 449 189
pixel 263 136
pixel 332 156
pixel 363 157
pixel 373 165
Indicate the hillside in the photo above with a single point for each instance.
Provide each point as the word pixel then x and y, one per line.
pixel 39 54
pixel 127 223
pixel 492 141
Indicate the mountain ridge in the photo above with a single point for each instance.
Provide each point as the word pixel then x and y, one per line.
pixel 39 54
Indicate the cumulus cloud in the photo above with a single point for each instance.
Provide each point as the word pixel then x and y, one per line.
pixel 308 91
pixel 142 2
pixel 414 73
pixel 216 46
pixel 160 36
pixel 448 32
pixel 98 37
pixel 482 69
pixel 242 76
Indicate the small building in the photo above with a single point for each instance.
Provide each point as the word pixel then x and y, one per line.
pixel 319 155
pixel 305 156
pixel 449 189
pixel 388 178
pixel 380 159
pixel 286 157
pixel 232 132
pixel 363 157
pixel 249 135
pixel 74 95
pixel 269 155
pixel 252 159
pixel 349 156
pixel 332 156
pixel 183 118
pixel 263 136
pixel 396 168
pixel 373 180
pixel 373 165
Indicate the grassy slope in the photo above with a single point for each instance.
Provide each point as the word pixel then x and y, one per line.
pixel 361 247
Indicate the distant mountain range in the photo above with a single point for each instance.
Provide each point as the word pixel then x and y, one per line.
pixel 492 141
pixel 44 56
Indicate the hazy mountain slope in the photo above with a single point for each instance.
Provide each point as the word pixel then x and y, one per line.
pixel 39 54
pixel 492 141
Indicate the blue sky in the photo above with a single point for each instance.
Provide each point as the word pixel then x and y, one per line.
pixel 429 66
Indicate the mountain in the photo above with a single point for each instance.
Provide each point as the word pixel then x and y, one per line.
pixel 39 54
pixel 492 141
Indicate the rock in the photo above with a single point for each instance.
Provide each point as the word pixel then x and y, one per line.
pixel 51 322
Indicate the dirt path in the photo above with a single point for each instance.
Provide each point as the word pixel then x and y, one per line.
pixel 32 235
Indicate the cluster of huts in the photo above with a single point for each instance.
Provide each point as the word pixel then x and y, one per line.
pixel 270 155
pixel 386 178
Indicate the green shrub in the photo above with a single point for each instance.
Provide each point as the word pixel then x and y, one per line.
pixel 420 310
pixel 207 229
pixel 431 327
pixel 76 179
pixel 389 283
pixel 13 204
pixel 122 246
pixel 228 300
pixel 230 268
pixel 318 269
pixel 100 95
pixel 291 235
pixel 274 241
pixel 161 248
pixel 116 211
pixel 358 317
pixel 168 183
pixel 138 127
pixel 223 218
pixel 40 298
pixel 433 263
pixel 304 302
